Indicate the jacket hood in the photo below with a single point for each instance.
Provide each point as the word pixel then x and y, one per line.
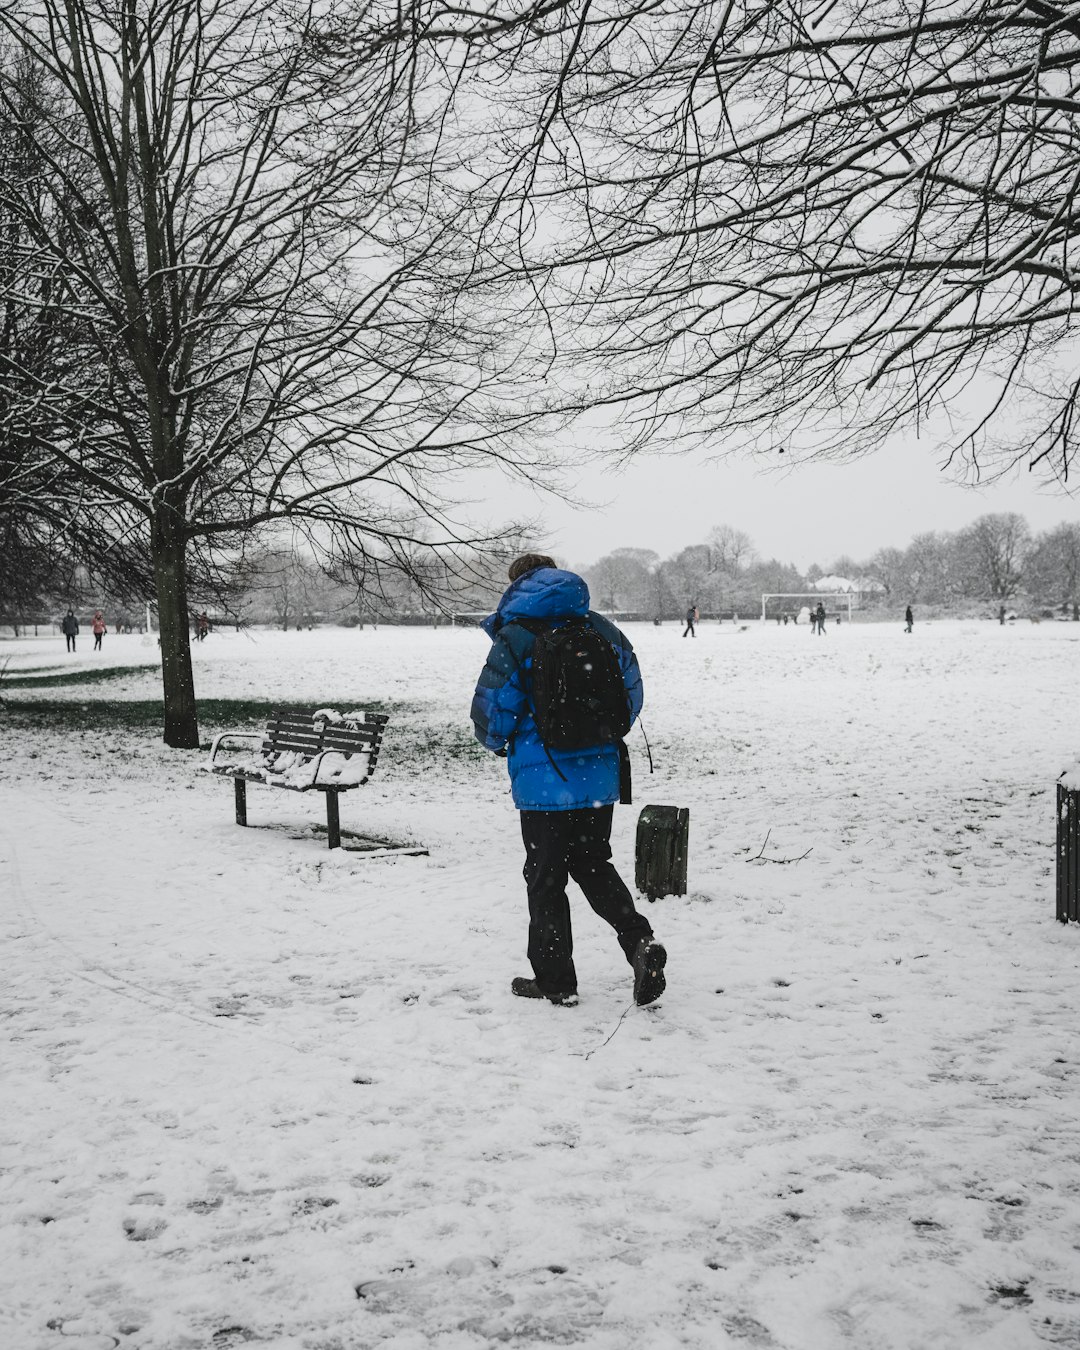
pixel 546 593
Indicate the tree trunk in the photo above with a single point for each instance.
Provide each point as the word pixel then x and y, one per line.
pixel 170 577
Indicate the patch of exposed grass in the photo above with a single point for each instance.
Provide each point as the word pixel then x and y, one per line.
pixel 436 744
pixel 63 678
pixel 34 670
pixel 148 714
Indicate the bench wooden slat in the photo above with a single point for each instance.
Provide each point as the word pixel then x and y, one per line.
pixel 297 731
pixel 337 740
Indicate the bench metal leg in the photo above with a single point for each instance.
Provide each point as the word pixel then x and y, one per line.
pixel 240 788
pixel 333 823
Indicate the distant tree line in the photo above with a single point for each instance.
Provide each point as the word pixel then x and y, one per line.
pixel 288 588
pixel 283 585
pixel 996 558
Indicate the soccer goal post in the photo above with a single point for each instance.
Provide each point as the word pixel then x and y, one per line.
pixel 808 597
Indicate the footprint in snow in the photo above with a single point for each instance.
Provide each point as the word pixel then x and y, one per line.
pixel 1064 1331
pixel 313 1204
pixel 372 1180
pixel 205 1206
pixel 386 1294
pixel 74 1340
pixel 229 1337
pixel 1012 1295
pixel 743 1327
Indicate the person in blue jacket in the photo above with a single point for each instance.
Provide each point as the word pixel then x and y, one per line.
pixel 565 797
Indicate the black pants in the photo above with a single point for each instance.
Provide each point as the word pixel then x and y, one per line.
pixel 97 641
pixel 690 630
pixel 559 845
pixel 70 641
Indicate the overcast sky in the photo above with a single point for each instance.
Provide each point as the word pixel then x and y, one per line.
pixel 810 514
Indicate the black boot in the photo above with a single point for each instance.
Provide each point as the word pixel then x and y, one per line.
pixel 649 962
pixel 526 988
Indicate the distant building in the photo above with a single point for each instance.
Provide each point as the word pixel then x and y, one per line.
pixel 836 585
pixel 847 586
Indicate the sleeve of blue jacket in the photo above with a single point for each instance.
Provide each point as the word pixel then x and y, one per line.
pixel 499 701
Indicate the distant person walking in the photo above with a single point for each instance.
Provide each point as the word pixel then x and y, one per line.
pixel 566 792
pixel 691 619
pixel 99 629
pixel 820 615
pixel 909 619
pixel 202 626
pixel 1001 616
pixel 69 626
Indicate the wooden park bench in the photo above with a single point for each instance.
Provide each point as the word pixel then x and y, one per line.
pixel 304 752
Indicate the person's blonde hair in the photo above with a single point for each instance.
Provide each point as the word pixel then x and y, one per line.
pixel 528 562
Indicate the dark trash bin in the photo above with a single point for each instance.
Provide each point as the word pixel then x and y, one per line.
pixel 1068 851
pixel 660 855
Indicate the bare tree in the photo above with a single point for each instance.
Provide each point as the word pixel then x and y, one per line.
pixel 993 553
pixel 50 525
pixel 807 226
pixel 930 566
pixel 731 550
pixel 1053 571
pixel 845 566
pixel 890 568
pixel 624 579
pixel 284 586
pixel 252 232
pixel 768 574
pixel 692 577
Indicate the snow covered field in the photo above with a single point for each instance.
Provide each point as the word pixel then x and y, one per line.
pixel 259 1094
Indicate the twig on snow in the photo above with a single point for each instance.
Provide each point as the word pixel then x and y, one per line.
pixel 628 1009
pixel 760 856
pixel 762 850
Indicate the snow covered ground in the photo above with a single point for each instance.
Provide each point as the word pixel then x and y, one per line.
pixel 256 1093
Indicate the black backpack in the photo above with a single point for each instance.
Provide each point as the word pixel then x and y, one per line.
pixel 579 699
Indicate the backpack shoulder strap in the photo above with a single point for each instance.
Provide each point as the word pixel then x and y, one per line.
pixel 533 626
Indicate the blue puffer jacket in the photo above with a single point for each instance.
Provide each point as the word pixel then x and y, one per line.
pixel 500 710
